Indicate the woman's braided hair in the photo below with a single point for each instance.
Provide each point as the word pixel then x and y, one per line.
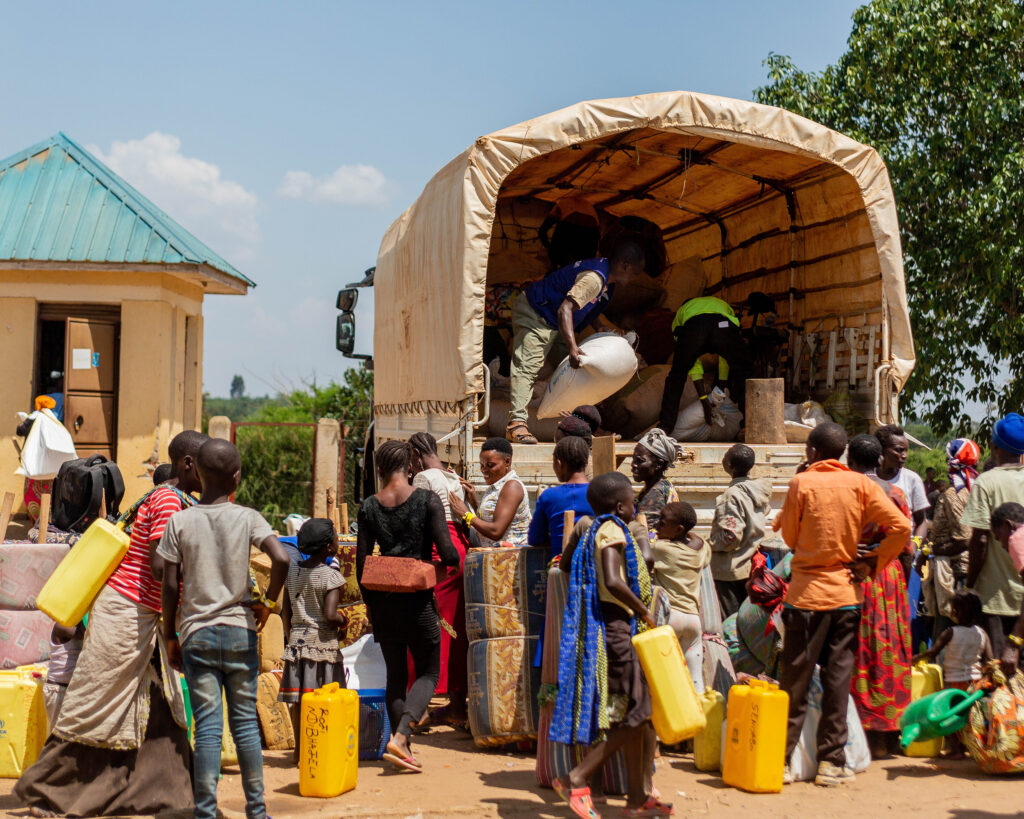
pixel 392 457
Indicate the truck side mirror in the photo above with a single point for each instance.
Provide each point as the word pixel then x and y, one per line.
pixel 347 299
pixel 345 333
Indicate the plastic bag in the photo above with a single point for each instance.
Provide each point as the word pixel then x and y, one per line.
pixel 726 420
pixel 608 362
pixel 364 664
pixel 47 446
pixel 804 762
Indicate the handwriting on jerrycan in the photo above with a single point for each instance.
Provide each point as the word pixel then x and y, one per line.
pixel 328 745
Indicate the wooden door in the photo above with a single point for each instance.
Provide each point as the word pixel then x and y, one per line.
pixel 90 384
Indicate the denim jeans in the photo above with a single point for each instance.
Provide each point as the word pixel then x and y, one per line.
pixel 225 657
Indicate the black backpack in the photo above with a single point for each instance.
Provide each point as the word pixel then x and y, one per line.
pixel 80 487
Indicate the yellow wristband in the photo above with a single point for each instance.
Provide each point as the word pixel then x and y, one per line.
pixel 1017 641
pixel 468 518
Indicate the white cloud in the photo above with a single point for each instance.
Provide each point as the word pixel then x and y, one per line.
pixel 348 185
pixel 221 212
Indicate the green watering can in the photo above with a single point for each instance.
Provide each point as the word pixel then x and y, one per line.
pixel 937 715
pixel 188 707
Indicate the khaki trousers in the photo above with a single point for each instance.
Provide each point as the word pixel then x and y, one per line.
pixel 534 340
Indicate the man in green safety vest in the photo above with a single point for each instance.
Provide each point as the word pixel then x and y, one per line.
pixel 705 325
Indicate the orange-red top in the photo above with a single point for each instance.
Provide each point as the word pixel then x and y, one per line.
pixel 827 508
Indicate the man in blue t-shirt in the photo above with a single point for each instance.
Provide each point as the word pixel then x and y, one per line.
pixel 550 312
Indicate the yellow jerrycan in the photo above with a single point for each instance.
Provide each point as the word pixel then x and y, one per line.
pixel 676 711
pixel 707 745
pixel 755 742
pixel 925 679
pixel 328 741
pixel 69 592
pixel 23 727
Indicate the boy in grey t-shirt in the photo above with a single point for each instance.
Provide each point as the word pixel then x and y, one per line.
pixel 208 548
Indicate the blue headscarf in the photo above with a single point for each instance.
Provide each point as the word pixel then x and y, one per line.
pixel 581 710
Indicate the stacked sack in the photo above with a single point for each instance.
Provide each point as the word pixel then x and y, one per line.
pixel 24 630
pixel 505 594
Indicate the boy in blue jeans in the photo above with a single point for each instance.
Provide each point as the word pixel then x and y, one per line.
pixel 208 548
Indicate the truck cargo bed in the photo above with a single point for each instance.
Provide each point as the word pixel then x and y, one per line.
pixel 699 477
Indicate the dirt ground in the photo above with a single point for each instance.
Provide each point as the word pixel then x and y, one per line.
pixel 460 780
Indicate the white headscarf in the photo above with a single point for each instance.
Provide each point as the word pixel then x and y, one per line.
pixel 661 445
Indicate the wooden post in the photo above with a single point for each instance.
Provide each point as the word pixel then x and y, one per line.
pixel 5 513
pixel 220 427
pixel 326 445
pixel 44 517
pixel 568 521
pixel 332 507
pixel 603 453
pixel 765 411
pixel 344 519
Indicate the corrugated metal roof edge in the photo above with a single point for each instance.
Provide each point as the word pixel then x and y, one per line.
pixel 191 248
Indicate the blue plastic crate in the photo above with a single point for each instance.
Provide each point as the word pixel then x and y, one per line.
pixel 374 725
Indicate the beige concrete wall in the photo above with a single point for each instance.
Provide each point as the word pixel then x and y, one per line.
pixel 17 361
pixel 160 374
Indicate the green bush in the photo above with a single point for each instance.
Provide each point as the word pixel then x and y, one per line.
pixel 277 477
pixel 277 461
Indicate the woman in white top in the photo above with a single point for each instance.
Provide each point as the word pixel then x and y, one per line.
pixel 431 474
pixel 502 515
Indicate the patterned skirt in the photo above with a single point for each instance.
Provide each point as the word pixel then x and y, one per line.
pixel 881 677
pixel 302 676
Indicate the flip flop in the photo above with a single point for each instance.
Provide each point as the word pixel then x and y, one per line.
pixel 652 807
pixel 578 799
pixel 405 763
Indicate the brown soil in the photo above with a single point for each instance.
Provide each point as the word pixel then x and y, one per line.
pixel 461 780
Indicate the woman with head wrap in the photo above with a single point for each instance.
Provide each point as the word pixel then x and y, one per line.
pixel 652 458
pixel 947 537
pixel 35 489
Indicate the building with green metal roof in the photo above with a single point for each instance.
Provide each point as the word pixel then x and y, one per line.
pixel 101 296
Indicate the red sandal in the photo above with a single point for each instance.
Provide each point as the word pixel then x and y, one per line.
pixel 652 807
pixel 578 799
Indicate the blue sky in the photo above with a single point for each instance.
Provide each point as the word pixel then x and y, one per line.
pixel 289 136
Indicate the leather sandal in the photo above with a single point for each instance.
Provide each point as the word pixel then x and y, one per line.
pixel 518 433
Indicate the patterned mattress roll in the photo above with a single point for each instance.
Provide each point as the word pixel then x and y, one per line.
pixel 505 592
pixel 503 688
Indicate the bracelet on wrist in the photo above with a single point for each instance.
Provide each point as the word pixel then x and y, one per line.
pixel 468 518
pixel 1017 641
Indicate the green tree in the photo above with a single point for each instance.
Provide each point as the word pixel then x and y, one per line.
pixel 937 87
pixel 237 386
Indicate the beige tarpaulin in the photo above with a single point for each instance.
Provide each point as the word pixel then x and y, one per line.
pixel 756 197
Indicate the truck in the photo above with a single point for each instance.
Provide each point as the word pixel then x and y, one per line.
pixel 736 198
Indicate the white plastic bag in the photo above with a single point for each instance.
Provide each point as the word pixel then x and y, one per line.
pixel 47 446
pixel 607 364
pixel 809 413
pixel 364 664
pixel 726 419
pixel 804 763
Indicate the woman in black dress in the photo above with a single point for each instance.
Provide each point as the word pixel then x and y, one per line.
pixel 404 522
